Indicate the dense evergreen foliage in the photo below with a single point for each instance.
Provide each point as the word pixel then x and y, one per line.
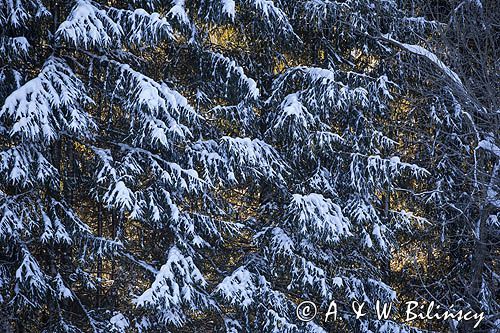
pixel 206 165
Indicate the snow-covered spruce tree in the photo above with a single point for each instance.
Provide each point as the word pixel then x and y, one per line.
pixel 105 221
pixel 327 231
pixel 89 143
pixel 44 242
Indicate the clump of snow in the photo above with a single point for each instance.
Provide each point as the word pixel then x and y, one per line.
pixel 315 215
pixel 489 146
pixel 119 323
pixel 120 195
pixel 228 7
pixel 238 288
pixel 178 11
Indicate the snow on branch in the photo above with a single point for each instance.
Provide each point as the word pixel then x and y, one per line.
pixel 226 70
pixel 292 118
pixel 238 288
pixel 14 47
pixel 178 11
pixel 147 94
pixel 141 27
pixel 243 289
pixel 30 278
pixel 178 284
pixel 317 217
pixel 489 146
pixel 89 26
pixel 228 8
pixel 219 11
pixel 323 90
pixel 421 51
pixel 253 158
pixel 374 170
pixel 162 109
pixel 19 12
pixel 273 17
pixel 235 160
pixel 49 103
